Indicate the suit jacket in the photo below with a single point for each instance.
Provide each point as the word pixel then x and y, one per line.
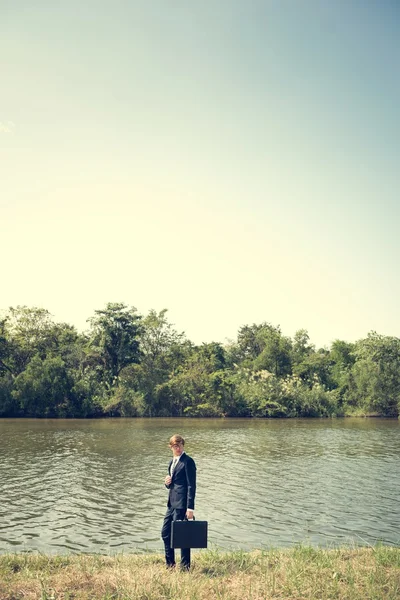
pixel 182 489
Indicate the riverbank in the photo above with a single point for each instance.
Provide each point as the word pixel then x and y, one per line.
pixel 303 572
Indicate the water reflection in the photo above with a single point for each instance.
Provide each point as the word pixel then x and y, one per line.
pixel 96 485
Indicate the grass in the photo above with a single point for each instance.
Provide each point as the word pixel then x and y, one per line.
pixel 299 573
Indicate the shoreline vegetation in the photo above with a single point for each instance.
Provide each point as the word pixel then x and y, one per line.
pixel 130 365
pixel 293 574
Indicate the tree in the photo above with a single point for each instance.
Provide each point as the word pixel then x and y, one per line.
pixel 159 343
pixel 375 377
pixel 163 349
pixel 316 365
pixel 193 383
pixel 114 342
pixel 44 389
pixel 250 345
pixel 261 392
pixel 342 360
pixel 29 332
pixel 5 350
pixel 301 347
pixel 8 406
pixel 276 351
pixel 263 347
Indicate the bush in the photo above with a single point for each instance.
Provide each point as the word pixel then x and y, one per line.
pixel 9 407
pixel 125 403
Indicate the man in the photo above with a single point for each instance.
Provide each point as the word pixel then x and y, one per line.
pixel 181 483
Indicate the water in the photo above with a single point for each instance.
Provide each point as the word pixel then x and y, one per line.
pixel 97 485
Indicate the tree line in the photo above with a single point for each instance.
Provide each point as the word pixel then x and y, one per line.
pixel 130 365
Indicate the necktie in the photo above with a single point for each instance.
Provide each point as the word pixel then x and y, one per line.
pixel 174 462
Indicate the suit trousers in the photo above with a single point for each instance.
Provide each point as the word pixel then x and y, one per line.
pixel 174 514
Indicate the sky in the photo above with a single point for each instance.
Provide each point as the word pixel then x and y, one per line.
pixel 232 161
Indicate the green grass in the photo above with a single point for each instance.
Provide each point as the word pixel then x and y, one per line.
pixel 299 573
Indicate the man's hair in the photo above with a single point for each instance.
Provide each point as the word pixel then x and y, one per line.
pixel 176 439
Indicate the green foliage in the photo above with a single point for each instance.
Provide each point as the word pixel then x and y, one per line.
pixel 316 365
pixel 301 347
pixel 374 383
pixel 114 339
pixel 5 349
pixel 263 347
pixel 309 401
pixel 249 342
pixel 125 403
pixel 90 395
pixel 261 392
pixel 343 359
pixel 269 396
pixel 29 333
pixel 275 356
pixel 163 349
pixel 129 366
pixel 201 382
pixel 8 406
pixel 44 389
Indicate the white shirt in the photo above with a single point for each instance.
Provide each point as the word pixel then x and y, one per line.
pixel 175 460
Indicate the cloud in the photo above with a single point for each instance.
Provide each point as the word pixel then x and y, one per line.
pixel 7 127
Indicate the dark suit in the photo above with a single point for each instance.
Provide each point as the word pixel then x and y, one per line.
pixel 182 492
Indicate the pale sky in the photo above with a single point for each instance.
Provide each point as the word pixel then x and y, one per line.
pixel 232 161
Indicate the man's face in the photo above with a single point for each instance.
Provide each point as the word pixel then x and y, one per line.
pixel 177 449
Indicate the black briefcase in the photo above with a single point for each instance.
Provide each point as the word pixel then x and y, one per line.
pixel 189 534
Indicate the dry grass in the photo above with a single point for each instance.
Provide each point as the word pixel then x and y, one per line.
pixel 301 573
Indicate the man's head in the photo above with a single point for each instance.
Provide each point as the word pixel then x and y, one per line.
pixel 177 443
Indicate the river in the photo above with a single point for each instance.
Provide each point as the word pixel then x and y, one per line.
pixel 97 485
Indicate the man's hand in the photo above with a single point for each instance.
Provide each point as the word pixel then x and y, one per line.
pixel 189 514
pixel 168 480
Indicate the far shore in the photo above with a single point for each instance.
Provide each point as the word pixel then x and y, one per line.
pixel 358 415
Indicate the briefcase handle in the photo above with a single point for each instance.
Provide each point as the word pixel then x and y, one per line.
pixel 186 519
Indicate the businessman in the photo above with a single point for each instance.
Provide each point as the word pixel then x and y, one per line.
pixel 181 483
